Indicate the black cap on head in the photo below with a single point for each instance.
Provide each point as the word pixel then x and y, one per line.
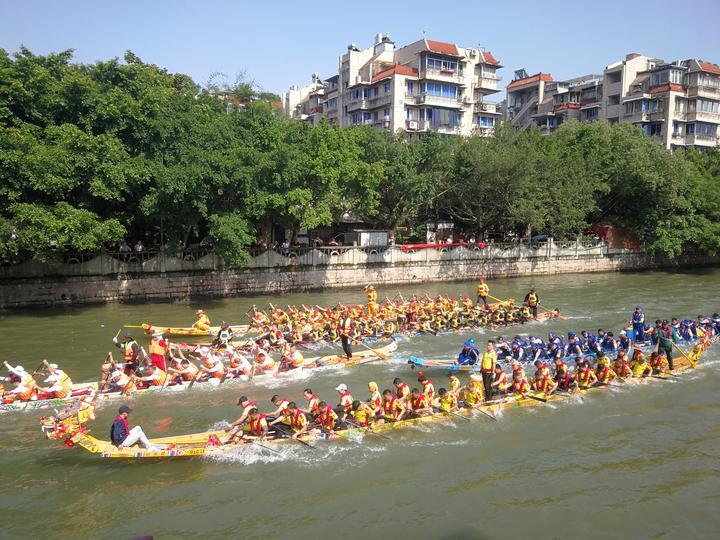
pixel 124 409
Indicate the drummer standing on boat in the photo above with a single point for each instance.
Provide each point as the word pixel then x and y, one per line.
pixel 487 368
pixel 482 292
pixel 638 325
pixel 666 340
pixel 532 300
pixel 158 349
pixel 345 329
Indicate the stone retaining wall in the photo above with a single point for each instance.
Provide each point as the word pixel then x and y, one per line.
pixel 26 292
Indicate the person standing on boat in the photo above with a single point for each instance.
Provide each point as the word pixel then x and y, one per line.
pixel 483 290
pixel 469 355
pixel 123 437
pixel 158 349
pixel 666 340
pixel 487 368
pixel 131 352
pixel 345 329
pixel 224 337
pixel 532 300
pixel 638 325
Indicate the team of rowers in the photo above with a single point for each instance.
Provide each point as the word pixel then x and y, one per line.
pixel 374 320
pixel 493 384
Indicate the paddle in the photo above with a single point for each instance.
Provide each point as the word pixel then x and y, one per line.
pixel 264 446
pixel 368 429
pixel 132 326
pixel 380 355
pixel 456 414
pixel 693 363
pixel 536 398
pixel 477 408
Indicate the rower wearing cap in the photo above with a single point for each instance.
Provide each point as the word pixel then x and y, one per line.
pixel 61 385
pixel 264 363
pixel 203 321
pixel 212 367
pixel 239 364
pixel 25 384
pixel 346 399
pixel 123 437
pixel 292 359
pixel 158 349
pixel 469 355
pixel 131 352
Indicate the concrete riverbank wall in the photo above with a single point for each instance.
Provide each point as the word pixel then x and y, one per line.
pixel 161 278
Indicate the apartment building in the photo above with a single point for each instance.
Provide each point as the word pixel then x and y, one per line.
pixel 425 86
pixel 679 102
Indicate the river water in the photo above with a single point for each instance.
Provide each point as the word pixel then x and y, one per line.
pixel 640 462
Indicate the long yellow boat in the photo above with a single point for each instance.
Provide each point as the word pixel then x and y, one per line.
pixel 71 427
pixel 188 331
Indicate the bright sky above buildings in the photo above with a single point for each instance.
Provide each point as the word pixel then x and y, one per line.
pixel 280 43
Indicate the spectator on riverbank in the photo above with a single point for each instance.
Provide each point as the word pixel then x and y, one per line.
pixel 139 248
pixel 124 247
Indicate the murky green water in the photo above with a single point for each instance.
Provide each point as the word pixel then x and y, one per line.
pixel 641 462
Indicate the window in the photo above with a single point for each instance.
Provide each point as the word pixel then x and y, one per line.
pixel 408 113
pixel 689 129
pixel 441 64
pixel 387 88
pixel 410 87
pixel 372 93
pixel 707 106
pixel 702 128
pixel 386 113
pixel 438 89
pixel 592 114
pixel 654 129
pixel 485 121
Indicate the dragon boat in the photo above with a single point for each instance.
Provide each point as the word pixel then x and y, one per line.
pixel 188 331
pixel 89 391
pixel 70 427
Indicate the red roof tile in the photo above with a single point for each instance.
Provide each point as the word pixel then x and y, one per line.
pixel 488 58
pixel 712 68
pixel 397 69
pixel 547 77
pixel 442 48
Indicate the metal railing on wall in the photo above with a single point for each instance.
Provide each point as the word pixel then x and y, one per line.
pixel 152 261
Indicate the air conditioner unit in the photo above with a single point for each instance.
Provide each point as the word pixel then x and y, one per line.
pixel 473 53
pixel 467 99
pixel 412 124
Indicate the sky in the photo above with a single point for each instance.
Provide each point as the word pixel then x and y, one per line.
pixel 282 43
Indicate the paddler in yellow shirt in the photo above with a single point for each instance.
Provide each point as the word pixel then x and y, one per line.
pixel 453 383
pixel 446 401
pixel 203 321
pixel 639 365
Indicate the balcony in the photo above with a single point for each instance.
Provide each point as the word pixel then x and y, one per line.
pixel 483 131
pixel 702 116
pixel 701 139
pixel 439 101
pixel 357 105
pixel 711 92
pixel 634 117
pixel 380 101
pixel 442 75
pixel 489 108
pixel 487 83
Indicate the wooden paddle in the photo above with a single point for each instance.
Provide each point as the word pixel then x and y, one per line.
pixel 456 414
pixel 380 355
pixel 265 447
pixel 477 408
pixel 693 363
pixel 368 429
pixel 536 398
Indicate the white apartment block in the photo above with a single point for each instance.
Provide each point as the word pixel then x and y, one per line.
pixel 679 102
pixel 425 86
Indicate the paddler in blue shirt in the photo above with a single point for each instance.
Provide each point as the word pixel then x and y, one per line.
pixel 469 355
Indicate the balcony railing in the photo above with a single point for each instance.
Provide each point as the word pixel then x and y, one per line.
pixel 441 101
pixel 442 75
pixel 487 107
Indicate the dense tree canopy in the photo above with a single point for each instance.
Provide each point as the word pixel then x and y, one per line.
pixel 93 154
